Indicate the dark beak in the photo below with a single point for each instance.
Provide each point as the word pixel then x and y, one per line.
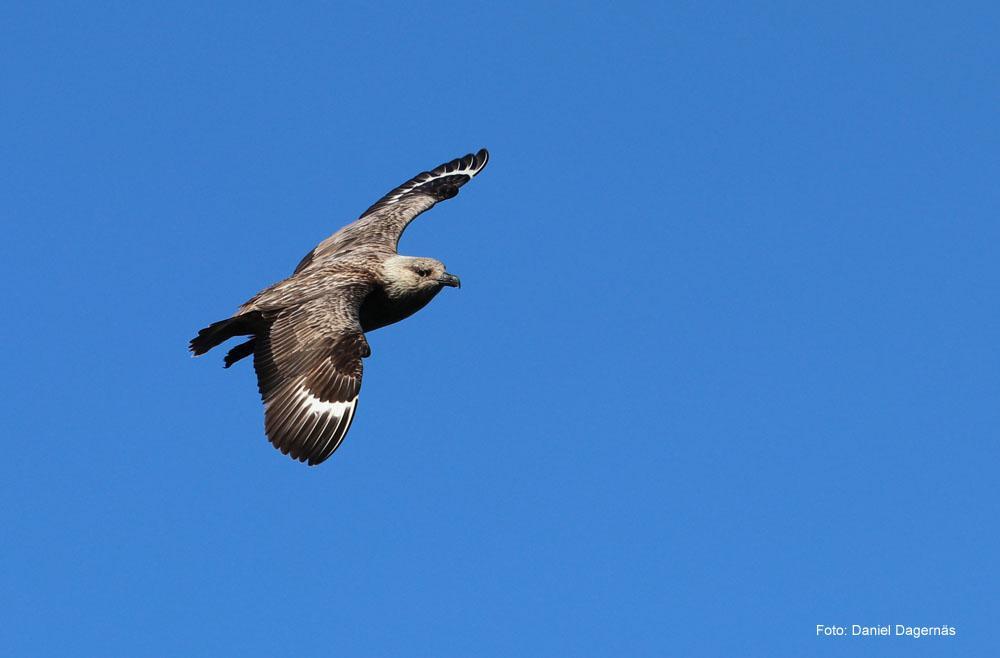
pixel 450 280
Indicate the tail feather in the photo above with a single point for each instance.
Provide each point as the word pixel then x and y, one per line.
pixel 240 351
pixel 221 331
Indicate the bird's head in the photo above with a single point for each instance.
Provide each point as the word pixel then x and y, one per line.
pixel 407 275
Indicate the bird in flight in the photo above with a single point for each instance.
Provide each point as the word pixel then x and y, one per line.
pixel 307 333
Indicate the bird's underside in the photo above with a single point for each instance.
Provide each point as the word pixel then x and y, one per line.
pixel 307 331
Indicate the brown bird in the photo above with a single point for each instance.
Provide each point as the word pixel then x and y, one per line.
pixel 308 331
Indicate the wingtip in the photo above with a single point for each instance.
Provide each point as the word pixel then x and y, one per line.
pixel 461 170
pixel 470 163
pixel 479 160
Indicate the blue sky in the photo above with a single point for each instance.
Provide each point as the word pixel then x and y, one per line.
pixel 723 366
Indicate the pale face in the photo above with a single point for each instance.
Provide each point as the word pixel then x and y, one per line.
pixel 405 275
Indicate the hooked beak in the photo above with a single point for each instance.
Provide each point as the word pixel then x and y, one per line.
pixel 450 280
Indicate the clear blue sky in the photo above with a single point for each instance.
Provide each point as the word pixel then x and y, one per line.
pixel 724 365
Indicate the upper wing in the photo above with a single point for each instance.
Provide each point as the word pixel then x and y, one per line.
pixel 309 374
pixel 383 223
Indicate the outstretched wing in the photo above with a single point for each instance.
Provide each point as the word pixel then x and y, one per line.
pixel 309 374
pixel 381 225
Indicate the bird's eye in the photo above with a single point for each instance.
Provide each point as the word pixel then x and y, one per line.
pixel 422 272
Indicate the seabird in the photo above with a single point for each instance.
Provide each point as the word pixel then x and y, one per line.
pixel 307 333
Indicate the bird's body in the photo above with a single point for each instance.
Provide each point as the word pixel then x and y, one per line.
pixel 379 310
pixel 307 331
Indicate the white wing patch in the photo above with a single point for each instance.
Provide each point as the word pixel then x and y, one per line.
pixel 317 427
pixel 317 406
pixel 469 165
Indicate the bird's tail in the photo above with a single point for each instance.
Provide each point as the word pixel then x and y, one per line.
pixel 241 325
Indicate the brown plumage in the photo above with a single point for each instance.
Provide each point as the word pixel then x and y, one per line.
pixel 307 331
